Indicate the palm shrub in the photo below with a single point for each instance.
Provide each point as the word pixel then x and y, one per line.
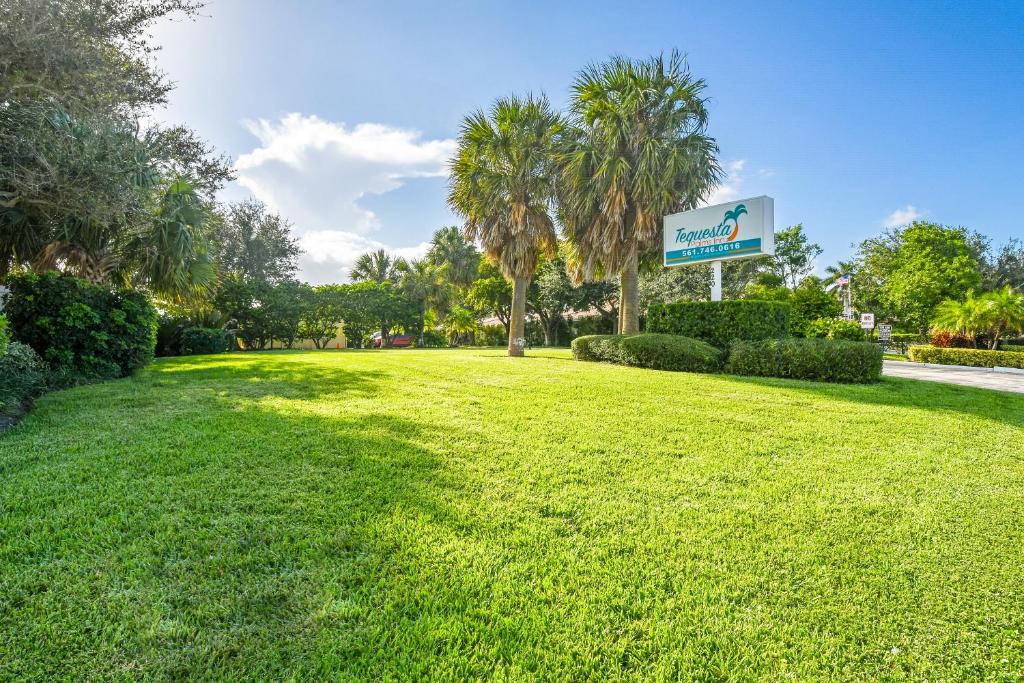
pixel 637 149
pixel 1005 311
pixel 503 185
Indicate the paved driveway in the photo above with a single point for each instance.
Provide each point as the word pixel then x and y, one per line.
pixel 973 377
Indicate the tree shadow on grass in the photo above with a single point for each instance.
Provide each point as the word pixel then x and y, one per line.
pixel 896 392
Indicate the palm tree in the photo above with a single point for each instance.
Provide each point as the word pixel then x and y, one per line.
pixel 1006 311
pixel 969 317
pixel 503 184
pixel 637 150
pixel 459 258
pixel 376 266
pixel 459 323
pixel 422 281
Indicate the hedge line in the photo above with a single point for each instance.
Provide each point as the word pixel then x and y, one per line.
pixel 721 322
pixel 977 358
pixel 654 351
pixel 815 359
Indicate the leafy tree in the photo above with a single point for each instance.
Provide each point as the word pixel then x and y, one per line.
pixel 1006 267
pixel 503 185
pixel 377 266
pixel 905 273
pixel 252 243
pixel 370 305
pixel 285 306
pixel 457 256
pixel 637 150
pixel 794 255
pixel 491 294
pixel 323 312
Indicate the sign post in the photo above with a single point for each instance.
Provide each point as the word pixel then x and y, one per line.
pixel 867 321
pixel 734 230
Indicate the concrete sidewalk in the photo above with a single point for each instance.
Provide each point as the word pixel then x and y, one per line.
pixel 983 378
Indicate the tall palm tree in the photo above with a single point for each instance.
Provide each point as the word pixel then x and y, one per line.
pixel 1006 311
pixel 377 266
pixel 422 281
pixel 638 149
pixel 503 184
pixel 459 258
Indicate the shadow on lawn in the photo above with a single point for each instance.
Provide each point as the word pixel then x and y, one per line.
pixel 897 392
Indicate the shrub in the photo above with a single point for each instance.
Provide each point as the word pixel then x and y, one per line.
pixel 814 359
pixel 200 340
pixel 83 331
pixel 5 336
pixel 721 322
pixel 835 329
pixel 654 351
pixel 1014 348
pixel 22 378
pixel 433 339
pixel 978 358
pixel 952 340
pixel 491 335
pixel 909 338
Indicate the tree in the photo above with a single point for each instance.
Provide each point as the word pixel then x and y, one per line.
pixel 459 324
pixel 457 256
pixel 637 150
pixel 252 243
pixel 422 281
pixel 503 185
pixel 794 255
pixel 285 306
pixel 1005 312
pixel 491 294
pixel 1006 267
pixel 551 297
pixel 322 314
pixel 377 266
pixel 903 274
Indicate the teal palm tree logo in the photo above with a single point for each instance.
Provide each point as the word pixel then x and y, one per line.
pixel 734 216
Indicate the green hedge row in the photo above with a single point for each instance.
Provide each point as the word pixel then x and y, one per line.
pixel 83 331
pixel 815 359
pixel 721 322
pixel 654 351
pixel 1013 348
pixel 198 340
pixel 978 358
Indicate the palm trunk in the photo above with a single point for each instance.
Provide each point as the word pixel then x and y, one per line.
pixel 517 322
pixel 629 309
pixel 1000 328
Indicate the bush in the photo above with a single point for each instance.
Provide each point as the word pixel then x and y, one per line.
pixel 1013 348
pixel 22 378
pixel 978 358
pixel 491 335
pixel 654 351
pixel 200 340
pixel 5 336
pixel 835 329
pixel 814 359
pixel 952 340
pixel 433 339
pixel 83 331
pixel 909 338
pixel 721 322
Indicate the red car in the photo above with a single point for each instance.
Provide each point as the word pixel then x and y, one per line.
pixel 399 341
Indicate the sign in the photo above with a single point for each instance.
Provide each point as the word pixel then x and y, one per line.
pixel 867 321
pixel 884 332
pixel 723 232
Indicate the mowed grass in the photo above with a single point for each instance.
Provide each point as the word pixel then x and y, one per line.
pixel 457 514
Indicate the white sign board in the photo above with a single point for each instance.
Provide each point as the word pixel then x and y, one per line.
pixel 867 321
pixel 884 332
pixel 722 232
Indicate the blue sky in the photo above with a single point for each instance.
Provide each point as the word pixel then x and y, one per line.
pixel 851 115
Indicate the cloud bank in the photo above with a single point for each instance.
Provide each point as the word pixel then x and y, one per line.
pixel 315 172
pixel 908 214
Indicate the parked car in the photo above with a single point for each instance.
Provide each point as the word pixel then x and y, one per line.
pixel 399 341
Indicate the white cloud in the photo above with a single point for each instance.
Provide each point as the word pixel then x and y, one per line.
pixel 908 214
pixel 732 185
pixel 315 172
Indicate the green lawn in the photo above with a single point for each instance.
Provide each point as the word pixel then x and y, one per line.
pixel 458 514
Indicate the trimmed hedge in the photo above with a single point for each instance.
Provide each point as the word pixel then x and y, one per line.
pixel 654 351
pixel 1012 348
pixel 199 340
pixel 977 358
pixel 814 359
pixel 83 331
pixel 721 322
pixel 22 378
